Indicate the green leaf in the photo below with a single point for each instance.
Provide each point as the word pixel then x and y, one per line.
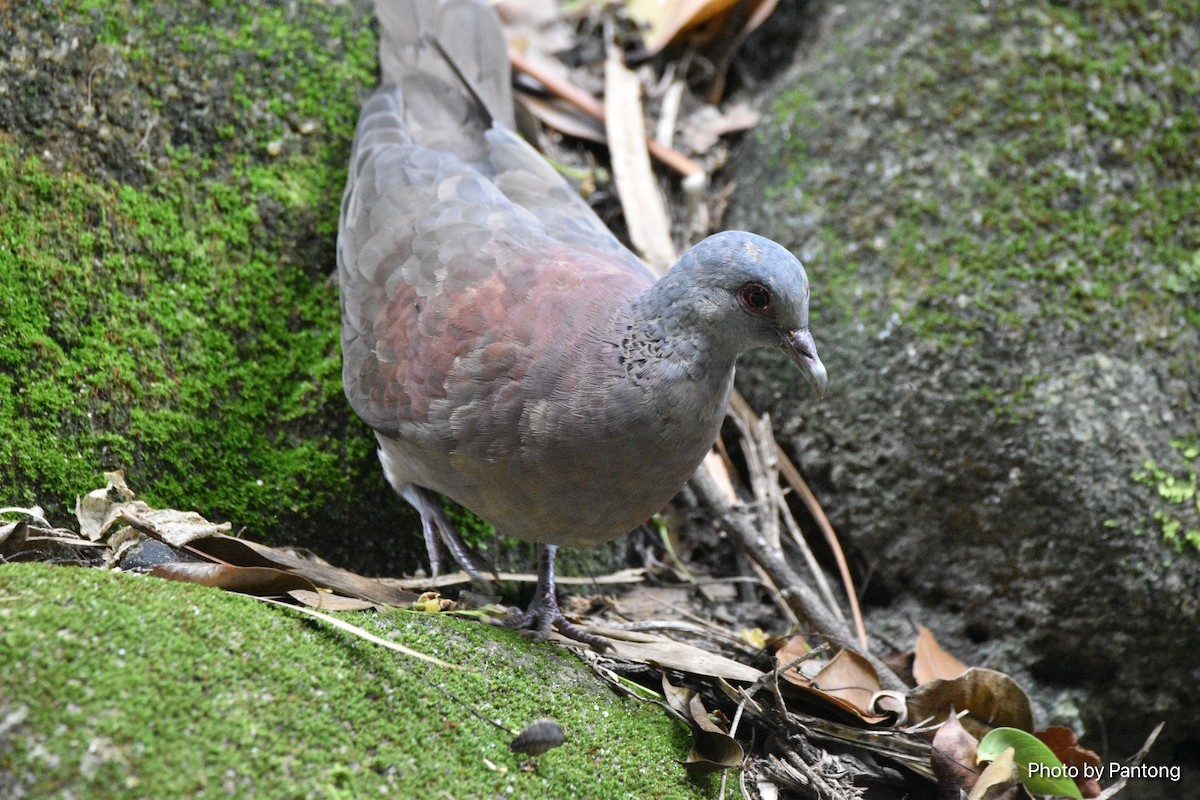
pixel 1039 768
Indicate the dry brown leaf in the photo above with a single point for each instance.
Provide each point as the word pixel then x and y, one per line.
pixel 116 503
pixel 847 681
pixel 931 661
pixel 953 759
pixel 850 677
pixel 997 777
pixel 1065 745
pixel 705 126
pixel 181 528
pixel 792 648
pixel 712 748
pixel 678 698
pixel 247 580
pixel 98 510
pixel 247 553
pixel 649 602
pixel 647 649
pixel 891 703
pixel 850 681
pixel 992 700
pixel 12 537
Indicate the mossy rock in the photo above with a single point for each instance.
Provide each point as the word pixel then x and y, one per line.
pixel 119 685
pixel 999 208
pixel 170 175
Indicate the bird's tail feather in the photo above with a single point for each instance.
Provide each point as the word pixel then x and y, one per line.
pixel 459 41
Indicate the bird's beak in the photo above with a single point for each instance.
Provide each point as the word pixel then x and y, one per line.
pixel 801 348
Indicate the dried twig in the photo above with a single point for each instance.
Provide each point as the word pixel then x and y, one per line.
pixel 1136 761
pixel 593 108
pixel 741 408
pixel 739 521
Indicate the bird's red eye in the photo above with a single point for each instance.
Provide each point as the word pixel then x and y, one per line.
pixel 755 298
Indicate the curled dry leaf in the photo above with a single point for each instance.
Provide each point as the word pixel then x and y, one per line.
pixel 180 528
pixel 931 661
pixel 890 703
pixel 34 512
pixel 848 682
pixel 996 778
pixel 247 580
pixel 538 737
pixel 116 503
pixel 678 698
pixel 953 759
pixel 247 553
pixel 991 698
pixel 12 537
pixel 712 748
pixel 99 509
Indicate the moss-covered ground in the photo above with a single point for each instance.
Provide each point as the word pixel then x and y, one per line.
pixel 115 685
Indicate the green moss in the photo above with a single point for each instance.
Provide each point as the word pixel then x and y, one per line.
pixel 1177 501
pixel 179 352
pixel 1031 174
pixel 134 687
pixel 163 278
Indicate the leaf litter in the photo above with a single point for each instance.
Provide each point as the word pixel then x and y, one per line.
pixel 811 712
pixel 785 690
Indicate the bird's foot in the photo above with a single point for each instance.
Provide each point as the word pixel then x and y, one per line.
pixel 438 528
pixel 544 615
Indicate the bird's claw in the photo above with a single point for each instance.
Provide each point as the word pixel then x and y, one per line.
pixel 536 624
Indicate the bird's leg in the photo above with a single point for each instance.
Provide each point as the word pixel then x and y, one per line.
pixel 544 614
pixel 436 525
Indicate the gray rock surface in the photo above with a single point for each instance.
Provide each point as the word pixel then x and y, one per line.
pixel 999 204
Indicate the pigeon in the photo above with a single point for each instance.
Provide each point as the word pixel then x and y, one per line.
pixel 507 350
